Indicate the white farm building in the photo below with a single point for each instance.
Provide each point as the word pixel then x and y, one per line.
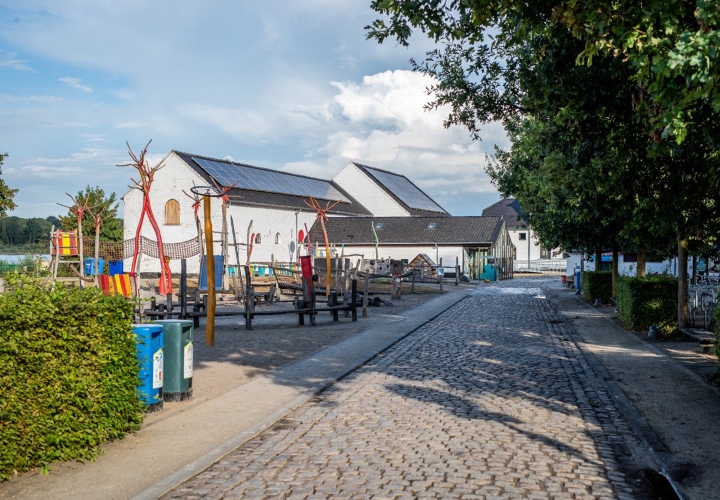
pixel 271 217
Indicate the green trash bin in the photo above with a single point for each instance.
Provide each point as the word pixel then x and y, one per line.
pixel 177 380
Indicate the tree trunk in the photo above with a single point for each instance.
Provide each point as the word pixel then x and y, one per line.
pixel 641 261
pixel 598 260
pixel 615 269
pixel 682 282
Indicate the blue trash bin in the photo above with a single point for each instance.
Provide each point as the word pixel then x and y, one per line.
pixel 150 347
pixel 89 265
pixel 577 280
pixel 115 267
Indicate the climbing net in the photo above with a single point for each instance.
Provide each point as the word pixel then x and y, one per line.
pixel 118 250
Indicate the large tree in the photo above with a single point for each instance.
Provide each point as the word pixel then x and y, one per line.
pixel 6 193
pixel 587 149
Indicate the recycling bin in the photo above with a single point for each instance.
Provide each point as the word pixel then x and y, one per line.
pixel 115 267
pixel 89 265
pixel 177 379
pixel 578 280
pixel 149 349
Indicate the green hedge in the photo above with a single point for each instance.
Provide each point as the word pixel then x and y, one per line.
pixel 652 300
pixel 68 373
pixel 596 285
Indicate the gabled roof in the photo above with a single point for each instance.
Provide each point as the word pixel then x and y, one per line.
pixel 509 209
pixel 402 190
pixel 262 187
pixel 471 230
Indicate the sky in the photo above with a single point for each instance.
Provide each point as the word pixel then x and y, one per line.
pixel 288 85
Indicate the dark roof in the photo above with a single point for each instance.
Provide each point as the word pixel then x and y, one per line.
pixel 251 197
pixel 410 230
pixel 410 197
pixel 510 210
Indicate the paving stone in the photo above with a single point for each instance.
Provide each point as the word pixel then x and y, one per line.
pixel 489 400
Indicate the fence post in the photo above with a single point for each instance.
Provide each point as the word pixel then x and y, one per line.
pixel 365 295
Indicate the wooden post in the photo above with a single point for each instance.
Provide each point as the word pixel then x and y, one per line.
pixel 346 283
pixel 224 244
pixel 333 301
pixel 183 289
pixel 440 278
pixel 365 295
pixel 210 264
pixel 353 299
pixel 169 305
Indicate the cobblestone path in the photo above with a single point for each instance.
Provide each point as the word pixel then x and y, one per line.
pixel 489 400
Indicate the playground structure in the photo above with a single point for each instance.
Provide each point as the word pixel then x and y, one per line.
pixel 251 284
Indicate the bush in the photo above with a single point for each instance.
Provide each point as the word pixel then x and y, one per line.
pixel 652 300
pixel 68 373
pixel 596 285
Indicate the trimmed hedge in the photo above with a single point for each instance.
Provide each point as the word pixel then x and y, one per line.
pixel 596 285
pixel 68 373
pixel 652 300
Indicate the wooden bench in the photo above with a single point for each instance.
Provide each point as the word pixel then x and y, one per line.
pixel 705 338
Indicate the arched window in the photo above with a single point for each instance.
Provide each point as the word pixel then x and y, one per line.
pixel 277 239
pixel 258 239
pixel 172 213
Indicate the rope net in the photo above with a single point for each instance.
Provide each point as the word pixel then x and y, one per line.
pixel 118 250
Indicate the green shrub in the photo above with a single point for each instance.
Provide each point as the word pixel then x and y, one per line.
pixel 652 300
pixel 68 373
pixel 596 285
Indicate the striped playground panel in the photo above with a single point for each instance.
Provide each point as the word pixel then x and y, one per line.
pixel 119 283
pixel 65 244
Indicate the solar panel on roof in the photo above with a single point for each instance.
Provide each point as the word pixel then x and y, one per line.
pixel 270 181
pixel 405 190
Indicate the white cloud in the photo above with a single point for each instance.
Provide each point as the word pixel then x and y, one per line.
pixel 45 171
pixel 75 83
pixel 45 99
pixel 9 60
pixel 131 124
pixel 381 122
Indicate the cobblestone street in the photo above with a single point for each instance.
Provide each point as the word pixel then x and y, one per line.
pixel 492 399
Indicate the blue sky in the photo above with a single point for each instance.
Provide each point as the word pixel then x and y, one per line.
pixel 292 86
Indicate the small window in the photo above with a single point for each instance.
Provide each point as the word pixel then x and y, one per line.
pixel 172 213
pixel 431 225
pixel 278 240
pixel 378 225
pixel 258 239
pixel 522 236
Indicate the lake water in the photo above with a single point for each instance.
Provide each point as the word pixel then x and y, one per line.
pixel 13 259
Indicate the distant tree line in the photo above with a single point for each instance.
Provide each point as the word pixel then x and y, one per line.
pixel 16 231
pixel 19 231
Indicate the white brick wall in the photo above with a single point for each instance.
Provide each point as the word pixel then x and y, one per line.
pixel 169 183
pixel 368 193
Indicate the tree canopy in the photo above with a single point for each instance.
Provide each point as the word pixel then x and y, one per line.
pixel 671 48
pixel 6 193
pixel 589 93
pixel 93 202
